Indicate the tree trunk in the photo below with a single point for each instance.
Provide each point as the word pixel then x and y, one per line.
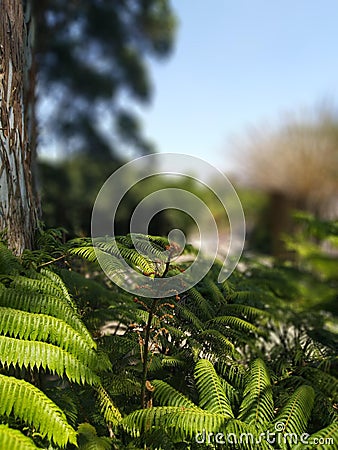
pixel 18 199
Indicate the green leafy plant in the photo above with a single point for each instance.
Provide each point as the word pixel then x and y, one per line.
pixel 42 336
pixel 248 413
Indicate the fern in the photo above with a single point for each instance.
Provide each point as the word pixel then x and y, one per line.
pixel 235 323
pixel 35 354
pixel 168 396
pixel 58 283
pixel 211 394
pixel 11 439
pixel 257 404
pixel 45 304
pixel 296 413
pixel 180 421
pixel 328 437
pixel 107 408
pixel 28 403
pixel 46 328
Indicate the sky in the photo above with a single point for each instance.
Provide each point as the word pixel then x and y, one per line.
pixel 238 64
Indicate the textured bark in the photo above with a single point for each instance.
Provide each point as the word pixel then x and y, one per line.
pixel 18 200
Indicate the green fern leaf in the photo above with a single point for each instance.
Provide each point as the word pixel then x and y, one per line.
pixel 236 323
pixel 216 336
pixel 202 305
pixel 29 354
pixel 177 420
pixel 257 405
pixel 107 408
pixel 28 403
pixel 249 312
pixel 46 304
pixel 59 284
pixel 9 264
pixel 16 323
pixel 186 314
pixel 296 413
pixel 166 395
pixel 244 436
pixel 14 440
pixel 328 436
pixel 211 394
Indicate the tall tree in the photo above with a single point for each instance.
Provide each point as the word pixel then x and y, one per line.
pixel 92 59
pixel 18 200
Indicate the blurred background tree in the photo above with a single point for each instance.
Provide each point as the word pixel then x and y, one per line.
pixel 92 67
pixel 296 166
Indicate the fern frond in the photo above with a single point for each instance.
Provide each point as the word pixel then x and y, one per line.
pixel 58 283
pixel 166 395
pixel 11 439
pixel 249 312
pixel 86 252
pixel 232 372
pixel 28 403
pixel 215 335
pixel 46 304
pixel 177 420
pixel 186 314
pixel 296 413
pixel 257 405
pixel 323 381
pixel 328 436
pixel 245 436
pixel 41 327
pixel 107 408
pixel 236 323
pixel 29 354
pixel 211 394
pixel 213 291
pixel 130 255
pixel 201 304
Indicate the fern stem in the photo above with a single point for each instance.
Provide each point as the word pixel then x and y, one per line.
pixel 146 352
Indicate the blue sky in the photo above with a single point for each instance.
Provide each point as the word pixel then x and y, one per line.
pixel 236 64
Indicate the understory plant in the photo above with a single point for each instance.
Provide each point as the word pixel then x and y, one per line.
pixel 84 363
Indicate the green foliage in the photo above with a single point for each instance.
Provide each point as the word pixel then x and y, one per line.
pixel 186 422
pixel 41 335
pixel 11 439
pixel 83 79
pixel 227 358
pixel 89 440
pixel 257 404
pixel 28 403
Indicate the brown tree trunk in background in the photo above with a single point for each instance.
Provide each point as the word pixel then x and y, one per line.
pixel 279 222
pixel 18 199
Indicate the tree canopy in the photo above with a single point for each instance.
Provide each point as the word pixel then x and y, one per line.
pixel 92 56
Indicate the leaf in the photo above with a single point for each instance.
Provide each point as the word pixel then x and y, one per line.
pixel 297 411
pixel 211 393
pixel 14 440
pixel 28 403
pixel 30 354
pixel 257 404
pixel 166 395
